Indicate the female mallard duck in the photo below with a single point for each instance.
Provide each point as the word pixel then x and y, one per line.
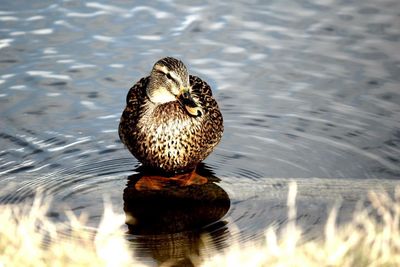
pixel 171 121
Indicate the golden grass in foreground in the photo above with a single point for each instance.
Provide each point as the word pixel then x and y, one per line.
pixel 23 244
pixel 366 241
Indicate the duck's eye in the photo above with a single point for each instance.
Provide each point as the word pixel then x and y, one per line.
pixel 171 78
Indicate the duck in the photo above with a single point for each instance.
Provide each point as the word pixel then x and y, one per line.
pixel 171 121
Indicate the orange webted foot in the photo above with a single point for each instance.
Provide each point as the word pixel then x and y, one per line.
pixel 156 182
pixel 152 182
pixel 191 178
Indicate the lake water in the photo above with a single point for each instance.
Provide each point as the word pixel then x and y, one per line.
pixel 309 91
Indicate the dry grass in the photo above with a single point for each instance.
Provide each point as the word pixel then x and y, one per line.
pixel 29 238
pixel 366 241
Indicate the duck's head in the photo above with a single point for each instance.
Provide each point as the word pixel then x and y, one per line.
pixel 169 81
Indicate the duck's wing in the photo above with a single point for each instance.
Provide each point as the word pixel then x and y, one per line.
pixel 199 87
pixel 131 114
pixel 212 126
pixel 137 91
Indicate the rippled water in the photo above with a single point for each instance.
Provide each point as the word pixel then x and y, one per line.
pixel 307 89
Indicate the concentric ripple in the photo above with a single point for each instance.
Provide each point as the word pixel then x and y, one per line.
pixel 307 89
pixel 77 188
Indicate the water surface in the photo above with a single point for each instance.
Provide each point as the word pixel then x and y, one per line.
pixel 309 91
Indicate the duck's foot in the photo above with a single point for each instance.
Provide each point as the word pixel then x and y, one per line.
pixel 151 182
pixel 191 178
pixel 156 182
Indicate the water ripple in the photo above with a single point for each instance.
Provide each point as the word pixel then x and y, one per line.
pixel 307 89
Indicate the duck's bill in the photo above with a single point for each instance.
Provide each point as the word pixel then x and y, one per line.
pixel 189 104
pixel 194 111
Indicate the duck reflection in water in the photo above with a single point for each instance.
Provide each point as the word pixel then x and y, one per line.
pixel 168 217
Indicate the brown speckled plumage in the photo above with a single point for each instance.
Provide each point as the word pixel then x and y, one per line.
pixel 165 136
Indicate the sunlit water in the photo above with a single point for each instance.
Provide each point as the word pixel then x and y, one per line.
pixel 307 89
